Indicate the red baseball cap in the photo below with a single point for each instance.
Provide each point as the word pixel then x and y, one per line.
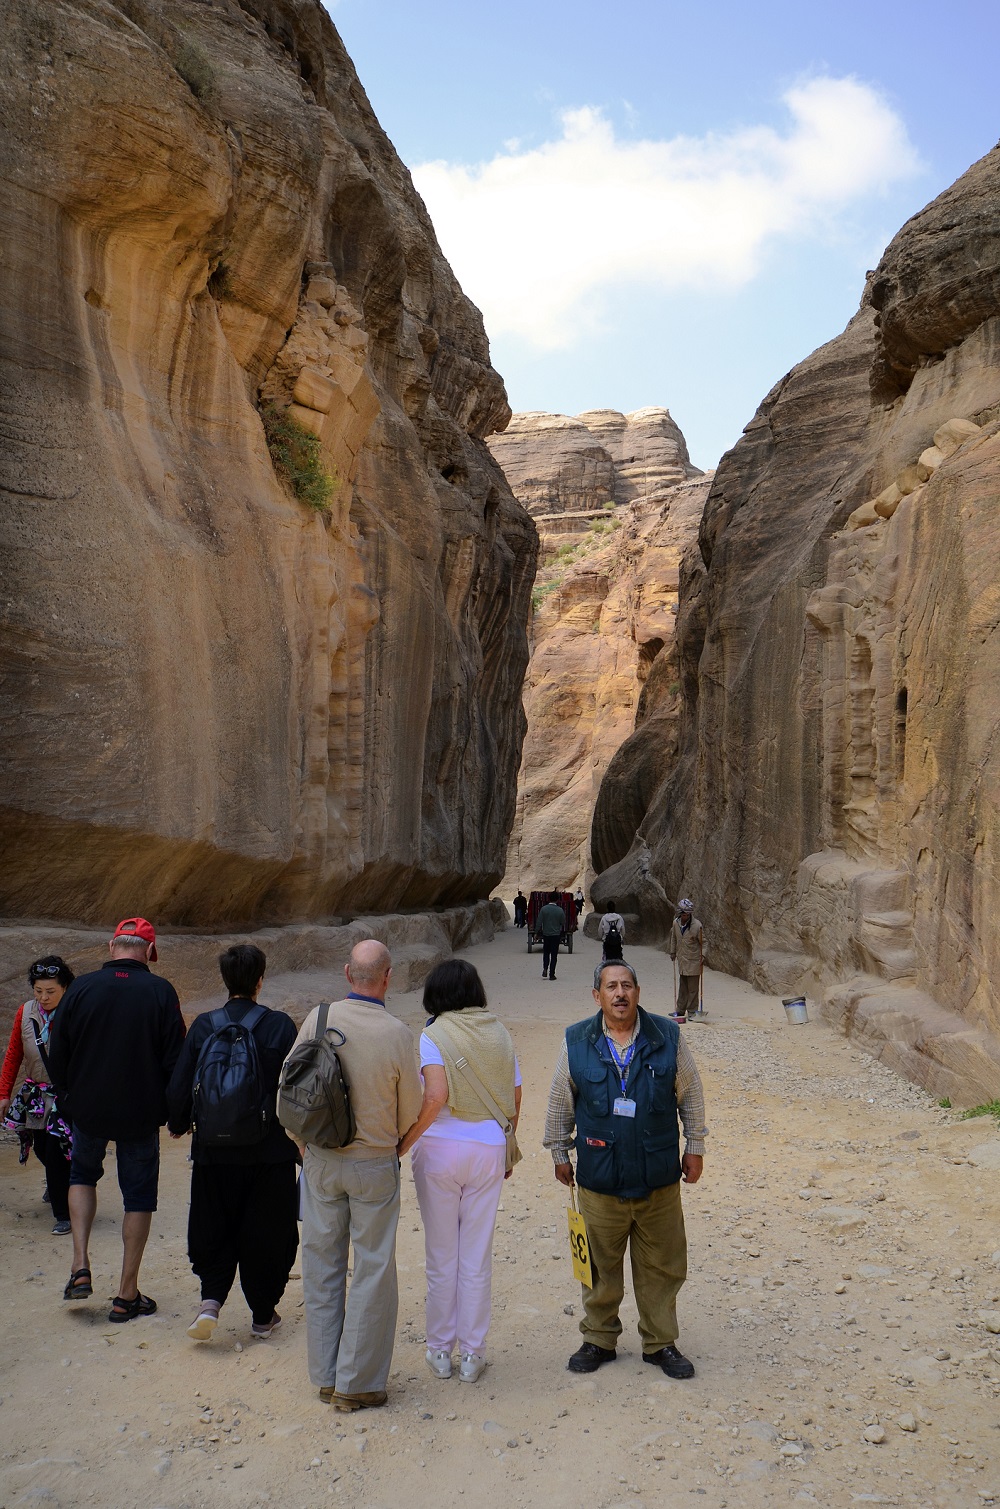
pixel 137 927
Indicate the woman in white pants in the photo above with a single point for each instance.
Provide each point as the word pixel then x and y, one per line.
pixel 459 1156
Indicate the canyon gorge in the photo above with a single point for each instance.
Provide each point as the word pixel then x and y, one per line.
pixel 276 554
pixel 616 501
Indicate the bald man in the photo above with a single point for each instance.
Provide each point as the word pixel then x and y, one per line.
pixel 350 1195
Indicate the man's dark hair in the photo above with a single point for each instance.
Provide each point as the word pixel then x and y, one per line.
pixel 609 906
pixel 452 986
pixel 242 966
pixel 52 967
pixel 556 897
pixel 613 964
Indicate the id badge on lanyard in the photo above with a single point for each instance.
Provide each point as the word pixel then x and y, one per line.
pixel 623 1106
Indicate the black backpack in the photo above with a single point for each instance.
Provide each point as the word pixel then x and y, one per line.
pixel 314 1103
pixel 612 942
pixel 230 1106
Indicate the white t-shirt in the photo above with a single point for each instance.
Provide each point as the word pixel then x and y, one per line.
pixel 445 1124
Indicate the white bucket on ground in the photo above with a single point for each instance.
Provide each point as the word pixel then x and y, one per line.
pixel 795 1010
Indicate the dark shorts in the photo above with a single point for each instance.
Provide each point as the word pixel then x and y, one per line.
pixel 138 1166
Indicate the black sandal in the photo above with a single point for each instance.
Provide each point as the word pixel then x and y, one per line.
pixel 77 1290
pixel 128 1309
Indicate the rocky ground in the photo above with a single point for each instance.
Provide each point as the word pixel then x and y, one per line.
pixel 844 1275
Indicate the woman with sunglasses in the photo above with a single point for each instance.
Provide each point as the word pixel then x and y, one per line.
pixel 33 1113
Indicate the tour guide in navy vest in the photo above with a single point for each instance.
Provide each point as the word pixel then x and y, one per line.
pixel 622 1079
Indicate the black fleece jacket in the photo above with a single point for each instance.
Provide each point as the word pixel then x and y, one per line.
pixel 114 1043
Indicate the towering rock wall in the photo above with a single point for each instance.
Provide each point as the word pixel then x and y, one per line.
pixel 833 799
pixel 616 501
pixel 219 705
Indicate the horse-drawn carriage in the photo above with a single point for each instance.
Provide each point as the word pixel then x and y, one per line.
pixel 536 901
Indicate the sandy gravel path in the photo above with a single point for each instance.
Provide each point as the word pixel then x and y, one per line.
pixel 845 1261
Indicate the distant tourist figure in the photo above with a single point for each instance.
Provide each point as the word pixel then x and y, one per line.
pixel 244 1199
pixel 520 909
pixel 114 1042
pixel 687 946
pixel 621 1080
pixel 350 1195
pixel 551 924
pixel 34 1112
pixel 578 901
pixel 611 932
pixel 471 1078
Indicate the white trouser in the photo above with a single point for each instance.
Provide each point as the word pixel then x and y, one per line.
pixel 458 1189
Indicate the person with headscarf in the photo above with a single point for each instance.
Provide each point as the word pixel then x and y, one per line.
pixel 687 947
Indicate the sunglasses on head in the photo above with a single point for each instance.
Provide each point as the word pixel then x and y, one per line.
pixel 44 971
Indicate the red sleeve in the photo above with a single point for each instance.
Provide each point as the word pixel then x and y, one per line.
pixel 13 1058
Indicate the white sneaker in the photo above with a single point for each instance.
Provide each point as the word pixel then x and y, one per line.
pixel 471 1367
pixel 439 1363
pixel 261 1333
pixel 201 1328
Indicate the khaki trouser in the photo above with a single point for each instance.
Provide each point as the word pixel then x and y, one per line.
pixel 653 1231
pixel 687 995
pixel 349 1202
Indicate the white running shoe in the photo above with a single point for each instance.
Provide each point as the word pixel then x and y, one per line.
pixel 262 1332
pixel 201 1329
pixel 439 1363
pixel 471 1367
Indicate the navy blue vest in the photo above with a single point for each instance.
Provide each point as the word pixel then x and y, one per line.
pixel 622 1155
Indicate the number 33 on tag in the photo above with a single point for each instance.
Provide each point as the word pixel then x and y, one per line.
pixel 579 1247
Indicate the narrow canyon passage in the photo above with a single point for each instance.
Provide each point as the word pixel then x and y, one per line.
pixel 843 1261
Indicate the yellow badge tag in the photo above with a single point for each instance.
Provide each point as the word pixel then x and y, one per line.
pixel 579 1248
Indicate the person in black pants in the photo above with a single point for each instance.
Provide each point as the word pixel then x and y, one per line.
pixel 244 1199
pixel 33 1112
pixel 551 925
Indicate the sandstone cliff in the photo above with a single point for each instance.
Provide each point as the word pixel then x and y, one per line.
pixel 833 802
pixel 218 704
pixel 567 471
pixel 616 501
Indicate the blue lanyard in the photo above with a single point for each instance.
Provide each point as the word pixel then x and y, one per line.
pixel 625 1060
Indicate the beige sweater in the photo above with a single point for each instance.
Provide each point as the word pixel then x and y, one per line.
pixel 379 1060
pixel 486 1044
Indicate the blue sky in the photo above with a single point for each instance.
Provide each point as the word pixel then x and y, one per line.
pixel 666 204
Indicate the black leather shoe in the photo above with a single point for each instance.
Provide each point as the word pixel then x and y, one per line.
pixel 589 1358
pixel 673 1363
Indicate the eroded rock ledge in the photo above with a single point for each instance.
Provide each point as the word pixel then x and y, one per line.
pixel 833 800
pixel 218 706
pixel 305 962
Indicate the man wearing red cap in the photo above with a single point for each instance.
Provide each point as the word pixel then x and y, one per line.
pixel 114 1042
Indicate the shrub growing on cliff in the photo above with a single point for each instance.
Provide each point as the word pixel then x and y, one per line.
pixel 195 69
pixel 296 456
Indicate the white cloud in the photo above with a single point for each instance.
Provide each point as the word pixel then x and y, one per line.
pixel 535 236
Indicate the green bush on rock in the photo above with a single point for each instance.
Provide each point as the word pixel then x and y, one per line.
pixel 297 459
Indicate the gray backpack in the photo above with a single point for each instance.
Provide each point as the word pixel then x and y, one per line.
pixel 314 1103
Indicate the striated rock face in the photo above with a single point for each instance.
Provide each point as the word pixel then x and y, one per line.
pixel 219 706
pixel 568 471
pixel 833 798
pixel 603 625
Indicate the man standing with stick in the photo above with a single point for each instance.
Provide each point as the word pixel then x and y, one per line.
pixel 622 1079
pixel 687 948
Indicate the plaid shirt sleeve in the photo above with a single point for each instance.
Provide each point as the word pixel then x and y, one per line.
pixel 560 1115
pixel 690 1100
